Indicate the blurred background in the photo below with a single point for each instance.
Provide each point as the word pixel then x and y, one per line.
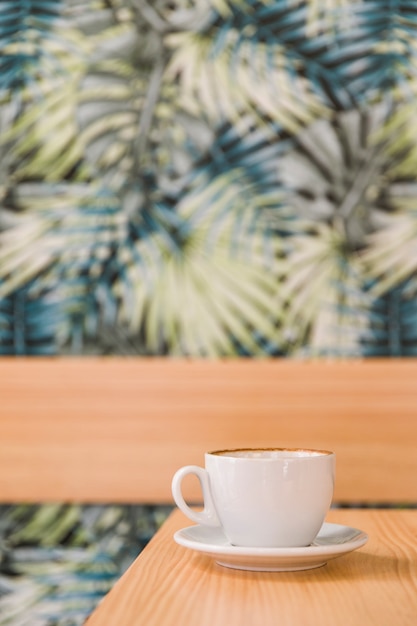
pixel 208 178
pixel 202 178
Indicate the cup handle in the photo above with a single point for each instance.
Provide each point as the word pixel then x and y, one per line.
pixel 208 516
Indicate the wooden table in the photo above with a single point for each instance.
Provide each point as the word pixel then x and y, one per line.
pixel 169 585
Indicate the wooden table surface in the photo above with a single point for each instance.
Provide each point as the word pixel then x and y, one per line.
pixel 169 585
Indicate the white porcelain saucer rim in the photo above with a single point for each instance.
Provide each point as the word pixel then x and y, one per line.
pixel 316 550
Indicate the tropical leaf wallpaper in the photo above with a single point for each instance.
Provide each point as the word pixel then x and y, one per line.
pixel 208 178
pixel 58 560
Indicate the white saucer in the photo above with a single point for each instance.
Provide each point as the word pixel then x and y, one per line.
pixel 333 541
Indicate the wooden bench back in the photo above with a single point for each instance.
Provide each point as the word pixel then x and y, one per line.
pixel 116 429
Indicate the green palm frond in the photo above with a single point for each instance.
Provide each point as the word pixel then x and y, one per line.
pixel 46 526
pixel 322 295
pixel 111 101
pixel 236 181
pixel 178 259
pixel 57 561
pixel 79 222
pixel 324 15
pixel 75 283
pixel 142 265
pixel 41 139
pixel 27 35
pixel 333 172
pixel 83 227
pixel 391 255
pixel 392 328
pixel 397 135
pixel 30 325
pixel 159 152
pixel 29 155
pixel 299 74
pixel 130 121
pixel 216 69
pixel 205 302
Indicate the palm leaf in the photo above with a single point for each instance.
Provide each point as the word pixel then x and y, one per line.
pixel 216 68
pixel 77 222
pixel 301 67
pixel 235 182
pixel 397 29
pixel 30 325
pixel 53 290
pixel 25 28
pixel 391 256
pixel 392 330
pixel 369 51
pixel 397 136
pixel 108 116
pixel 59 560
pixel 52 117
pixel 322 296
pixel 46 55
pixel 253 159
pixel 123 99
pixel 102 259
pixel 190 302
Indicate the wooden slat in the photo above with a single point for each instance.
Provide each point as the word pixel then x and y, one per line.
pixel 373 586
pixel 116 429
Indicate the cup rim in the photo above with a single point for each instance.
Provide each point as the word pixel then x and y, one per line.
pixel 311 453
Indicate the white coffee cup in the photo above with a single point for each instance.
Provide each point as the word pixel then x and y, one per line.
pixel 275 497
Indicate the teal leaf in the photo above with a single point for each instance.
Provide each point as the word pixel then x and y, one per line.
pixel 392 330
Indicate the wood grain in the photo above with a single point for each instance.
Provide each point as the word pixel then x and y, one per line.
pixel 116 429
pixel 376 585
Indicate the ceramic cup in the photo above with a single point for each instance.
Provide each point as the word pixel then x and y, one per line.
pixel 275 497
